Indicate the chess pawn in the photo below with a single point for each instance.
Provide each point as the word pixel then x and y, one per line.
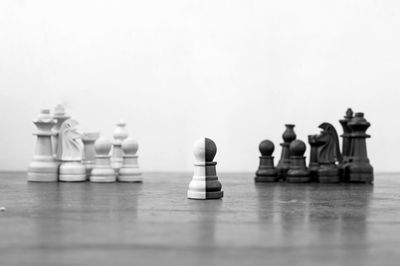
pixel 129 172
pixel 313 165
pixel 205 183
pixel 69 152
pixel 102 170
pixel 266 171
pixel 298 172
pixel 43 167
pixel 120 133
pixel 89 153
pixel 359 169
pixel 284 163
pixel 60 116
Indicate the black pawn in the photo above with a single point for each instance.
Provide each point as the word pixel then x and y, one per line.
pixel 298 172
pixel 313 165
pixel 284 163
pixel 359 169
pixel 266 171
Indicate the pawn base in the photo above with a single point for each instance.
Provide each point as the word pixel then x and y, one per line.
pixel 205 195
pixel 328 179
pixel 266 179
pixel 297 179
pixel 130 178
pixel 103 179
pixel 72 178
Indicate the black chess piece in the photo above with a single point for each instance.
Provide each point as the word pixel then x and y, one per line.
pixel 298 172
pixel 359 168
pixel 313 165
pixel 328 154
pixel 284 163
pixel 266 171
pixel 346 144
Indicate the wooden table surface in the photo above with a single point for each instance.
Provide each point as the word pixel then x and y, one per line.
pixel 155 224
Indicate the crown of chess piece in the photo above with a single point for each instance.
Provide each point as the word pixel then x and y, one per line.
pixel 120 134
pixel 298 172
pixel 89 153
pixel 43 167
pixel 102 170
pixel 328 154
pixel 69 152
pixel 284 163
pixel 129 171
pixel 359 168
pixel 60 116
pixel 205 183
pixel 266 171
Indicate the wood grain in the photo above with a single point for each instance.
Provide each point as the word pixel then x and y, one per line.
pixel 155 224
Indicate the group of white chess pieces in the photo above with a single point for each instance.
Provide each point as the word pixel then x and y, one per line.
pixel 64 154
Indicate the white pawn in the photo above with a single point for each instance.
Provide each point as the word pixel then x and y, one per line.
pixel 129 171
pixel 69 152
pixel 43 167
pixel 89 154
pixel 102 170
pixel 120 134
pixel 205 183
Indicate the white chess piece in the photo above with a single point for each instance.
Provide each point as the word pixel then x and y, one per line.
pixel 89 152
pixel 69 152
pixel 120 134
pixel 61 116
pixel 102 170
pixel 129 172
pixel 205 183
pixel 43 167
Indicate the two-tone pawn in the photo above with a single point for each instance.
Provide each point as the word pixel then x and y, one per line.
pixel 102 170
pixel 205 183
pixel 298 172
pixel 129 172
pixel 266 171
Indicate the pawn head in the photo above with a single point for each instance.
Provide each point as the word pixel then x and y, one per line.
pixel 130 146
pixel 297 148
pixel 204 150
pixel 266 147
pixel 102 146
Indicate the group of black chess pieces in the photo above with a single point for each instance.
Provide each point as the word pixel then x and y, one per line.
pixel 327 163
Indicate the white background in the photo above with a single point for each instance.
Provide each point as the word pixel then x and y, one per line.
pixel 234 71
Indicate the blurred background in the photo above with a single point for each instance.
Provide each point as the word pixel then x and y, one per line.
pixel 234 71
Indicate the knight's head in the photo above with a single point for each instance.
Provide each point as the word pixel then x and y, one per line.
pixel 69 141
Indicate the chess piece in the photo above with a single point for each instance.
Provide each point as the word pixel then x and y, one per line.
pixel 266 171
pixel 102 170
pixel 60 116
pixel 120 133
pixel 328 154
pixel 298 172
pixel 205 183
pixel 313 165
pixel 69 152
pixel 129 172
pixel 89 153
pixel 43 167
pixel 346 144
pixel 359 169
pixel 284 163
